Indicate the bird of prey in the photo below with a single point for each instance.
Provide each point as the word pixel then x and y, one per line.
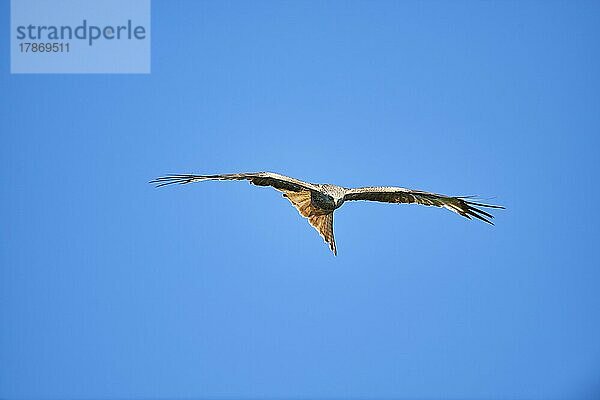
pixel 317 202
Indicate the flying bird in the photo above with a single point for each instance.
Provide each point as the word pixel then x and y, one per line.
pixel 318 202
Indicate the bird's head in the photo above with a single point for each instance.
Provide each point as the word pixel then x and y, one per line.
pixel 334 193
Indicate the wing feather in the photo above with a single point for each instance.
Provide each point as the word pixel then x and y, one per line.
pixel 277 181
pixel 389 194
pixel 295 190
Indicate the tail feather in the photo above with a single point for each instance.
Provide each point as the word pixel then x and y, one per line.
pixel 322 223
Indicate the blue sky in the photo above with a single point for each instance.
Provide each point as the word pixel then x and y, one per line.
pixel 110 288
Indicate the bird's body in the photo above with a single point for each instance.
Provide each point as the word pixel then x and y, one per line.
pixel 328 198
pixel 317 202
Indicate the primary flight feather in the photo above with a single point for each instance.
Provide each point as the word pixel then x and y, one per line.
pixel 317 202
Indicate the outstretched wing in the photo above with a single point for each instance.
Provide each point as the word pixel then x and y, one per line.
pixel 460 205
pixel 277 181
pixel 296 191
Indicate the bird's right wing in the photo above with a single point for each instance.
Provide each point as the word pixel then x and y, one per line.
pixel 277 181
pixel 296 191
pixel 387 194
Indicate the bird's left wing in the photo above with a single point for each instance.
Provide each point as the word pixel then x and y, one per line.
pixel 277 181
pixel 387 194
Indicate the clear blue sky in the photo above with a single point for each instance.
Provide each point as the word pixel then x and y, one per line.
pixel 110 288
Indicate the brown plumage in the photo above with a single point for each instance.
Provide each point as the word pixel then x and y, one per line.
pixel 323 223
pixel 317 202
